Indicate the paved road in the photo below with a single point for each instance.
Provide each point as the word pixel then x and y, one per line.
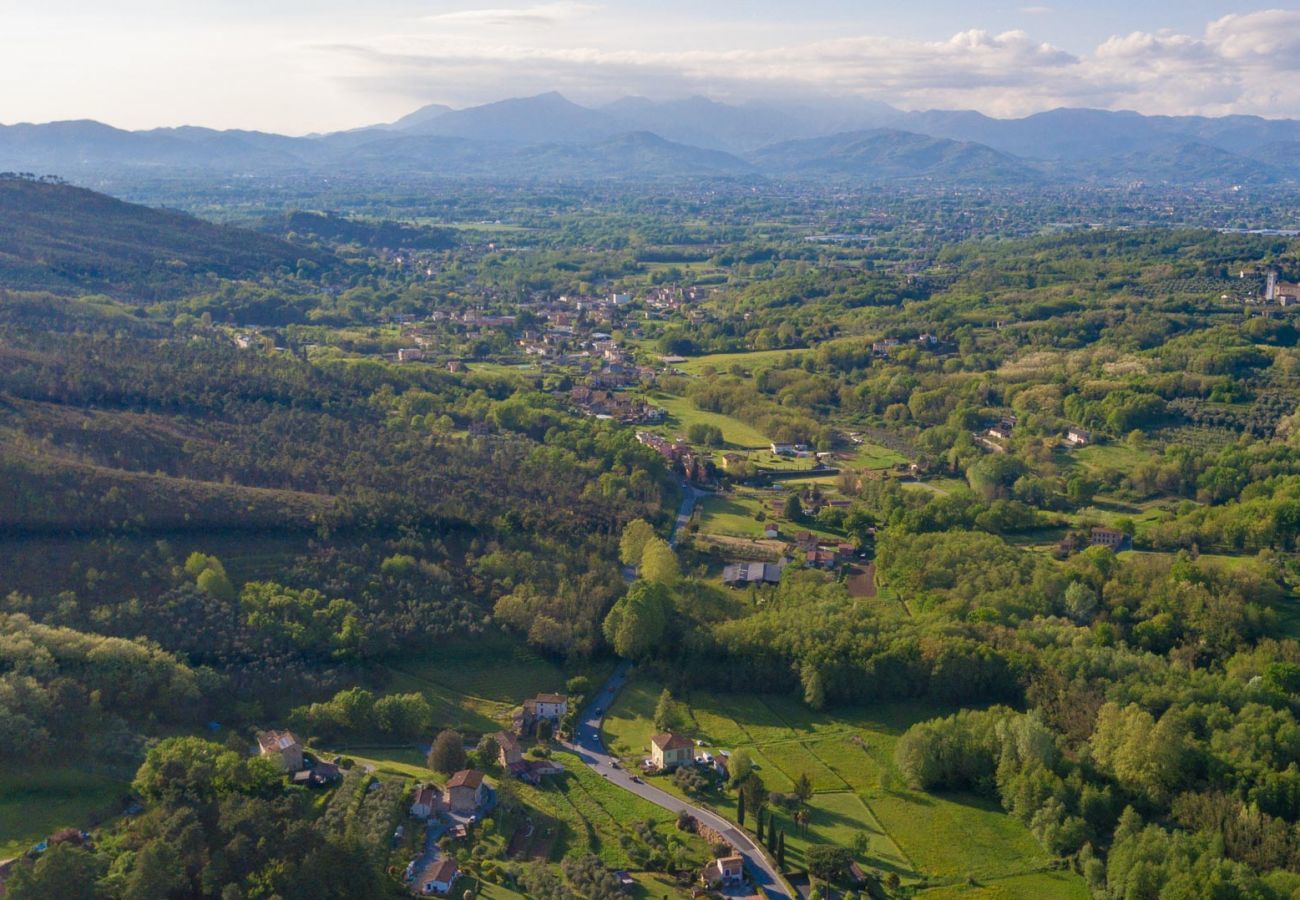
pixel 689 496
pixel 589 747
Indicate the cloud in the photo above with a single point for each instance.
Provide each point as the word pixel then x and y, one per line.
pixel 1238 64
pixel 1037 10
pixel 542 14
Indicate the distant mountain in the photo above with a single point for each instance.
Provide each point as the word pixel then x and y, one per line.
pixel 887 154
pixel 62 238
pixel 75 147
pixel 640 155
pixel 546 118
pixel 1084 134
pixel 420 118
pixel 706 123
pixel 1189 163
pixel 549 137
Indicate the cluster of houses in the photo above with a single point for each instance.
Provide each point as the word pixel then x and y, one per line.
pixel 622 408
pixel 466 795
pixel 681 454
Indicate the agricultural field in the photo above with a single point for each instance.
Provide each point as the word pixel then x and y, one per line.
pixel 37 801
pixel 474 685
pixel 927 839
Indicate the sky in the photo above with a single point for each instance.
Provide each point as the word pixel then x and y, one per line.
pixel 300 66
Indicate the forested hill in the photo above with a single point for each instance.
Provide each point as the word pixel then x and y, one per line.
pixel 57 237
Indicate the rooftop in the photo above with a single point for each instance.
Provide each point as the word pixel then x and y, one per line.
pixel 466 778
pixel 671 742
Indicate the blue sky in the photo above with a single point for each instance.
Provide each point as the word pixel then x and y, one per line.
pixel 307 65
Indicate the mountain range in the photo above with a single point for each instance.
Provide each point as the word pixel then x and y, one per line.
pixel 550 137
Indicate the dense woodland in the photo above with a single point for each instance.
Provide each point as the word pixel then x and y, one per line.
pixel 1136 711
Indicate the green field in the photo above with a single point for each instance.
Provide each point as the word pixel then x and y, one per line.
pixel 874 456
pixel 1057 885
pixel 732 515
pixel 473 685
pixel 848 756
pixel 35 802
pixel 683 414
pixel 722 362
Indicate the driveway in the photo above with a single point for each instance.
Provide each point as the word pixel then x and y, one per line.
pixel 589 747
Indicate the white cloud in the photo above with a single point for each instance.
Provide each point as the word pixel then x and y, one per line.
pixel 541 14
pixel 1237 65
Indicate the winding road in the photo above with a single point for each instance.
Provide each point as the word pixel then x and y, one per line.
pixel 588 746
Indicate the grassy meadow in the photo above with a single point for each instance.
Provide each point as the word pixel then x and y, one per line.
pixel 959 841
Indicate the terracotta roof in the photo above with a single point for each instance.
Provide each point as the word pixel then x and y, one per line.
pixel 425 796
pixel 275 741
pixel 671 742
pixel 444 870
pixel 466 778
pixel 506 741
pixel 552 698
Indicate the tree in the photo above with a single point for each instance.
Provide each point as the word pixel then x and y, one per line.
pixel 780 851
pixel 636 534
pixel 754 792
pixel 190 771
pixel 740 808
pixel 636 624
pixel 305 618
pixel 668 714
pixel 447 755
pixel 157 871
pixel 216 584
pixel 659 563
pixel 704 433
pixel 403 715
pixel 64 871
pixel 1080 602
pixel 803 788
pixel 793 508
pixel 827 862
pixel 740 765
pixel 758 827
pixel 814 687
pixel 488 750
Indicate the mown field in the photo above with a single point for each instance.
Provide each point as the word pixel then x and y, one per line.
pixel 682 414
pixel 957 840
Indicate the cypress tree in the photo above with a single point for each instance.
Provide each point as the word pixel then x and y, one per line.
pixel 780 851
pixel 740 808
pixel 758 826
